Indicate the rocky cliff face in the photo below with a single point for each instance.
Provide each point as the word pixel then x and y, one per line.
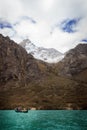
pixel 75 61
pixel 16 66
pixel 12 61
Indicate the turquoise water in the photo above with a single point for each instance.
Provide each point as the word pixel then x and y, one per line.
pixel 43 120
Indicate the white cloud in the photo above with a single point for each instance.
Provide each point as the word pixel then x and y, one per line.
pixel 46 13
pixel 7 31
pixel 46 5
pixel 10 9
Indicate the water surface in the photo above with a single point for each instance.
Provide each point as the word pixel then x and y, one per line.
pixel 43 120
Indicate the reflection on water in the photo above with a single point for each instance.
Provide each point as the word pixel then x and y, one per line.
pixel 43 120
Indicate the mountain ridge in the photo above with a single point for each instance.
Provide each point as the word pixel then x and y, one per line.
pixel 75 60
pixel 28 82
pixel 49 55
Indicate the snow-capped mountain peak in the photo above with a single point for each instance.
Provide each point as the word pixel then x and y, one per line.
pixel 49 55
pixel 28 45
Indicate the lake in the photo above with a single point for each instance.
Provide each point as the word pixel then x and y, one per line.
pixel 44 120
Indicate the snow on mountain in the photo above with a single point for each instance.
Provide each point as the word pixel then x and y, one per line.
pixel 49 55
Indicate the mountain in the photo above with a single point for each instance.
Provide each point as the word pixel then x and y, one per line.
pixel 28 82
pixel 48 55
pixel 75 60
pixel 17 67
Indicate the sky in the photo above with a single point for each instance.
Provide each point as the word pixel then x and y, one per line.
pixel 59 24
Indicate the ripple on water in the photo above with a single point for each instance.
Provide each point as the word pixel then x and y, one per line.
pixel 43 120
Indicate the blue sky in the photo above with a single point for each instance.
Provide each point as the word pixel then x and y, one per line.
pixel 55 24
pixel 84 40
pixel 69 25
pixel 5 24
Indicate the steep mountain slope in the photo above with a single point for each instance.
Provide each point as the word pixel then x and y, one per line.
pixel 75 61
pixel 16 66
pixel 48 55
pixel 25 81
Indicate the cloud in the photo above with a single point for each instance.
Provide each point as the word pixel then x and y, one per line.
pixel 57 24
pixel 28 18
pixel 7 32
pixel 6 28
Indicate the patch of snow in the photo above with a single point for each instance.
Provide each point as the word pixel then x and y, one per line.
pixel 49 55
